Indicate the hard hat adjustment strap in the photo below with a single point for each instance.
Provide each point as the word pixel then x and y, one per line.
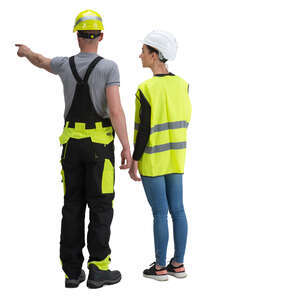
pixel 86 35
pixel 161 57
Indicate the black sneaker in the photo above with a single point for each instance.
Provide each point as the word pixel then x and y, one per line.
pixel 153 273
pixel 178 272
pixel 73 283
pixel 98 278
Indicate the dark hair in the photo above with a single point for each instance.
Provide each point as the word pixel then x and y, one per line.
pixel 90 31
pixel 151 50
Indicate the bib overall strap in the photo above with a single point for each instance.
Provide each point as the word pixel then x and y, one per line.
pixel 88 71
pixel 74 71
pixel 91 67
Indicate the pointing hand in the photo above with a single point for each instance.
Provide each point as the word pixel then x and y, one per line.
pixel 23 50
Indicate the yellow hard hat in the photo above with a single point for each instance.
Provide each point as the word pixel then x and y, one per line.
pixel 88 20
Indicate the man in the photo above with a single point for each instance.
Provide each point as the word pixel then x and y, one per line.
pixel 93 113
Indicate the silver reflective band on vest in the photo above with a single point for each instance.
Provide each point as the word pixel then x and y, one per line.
pixel 165 147
pixel 170 125
pixel 165 126
pixel 88 18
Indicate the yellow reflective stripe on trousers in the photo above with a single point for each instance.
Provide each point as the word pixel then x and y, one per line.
pixel 107 184
pixel 103 264
pixel 63 180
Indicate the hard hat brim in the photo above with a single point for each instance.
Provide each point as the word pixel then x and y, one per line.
pixel 153 45
pixel 88 27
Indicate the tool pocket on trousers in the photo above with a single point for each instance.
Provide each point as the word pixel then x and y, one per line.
pixel 107 184
pixel 63 180
pixel 64 150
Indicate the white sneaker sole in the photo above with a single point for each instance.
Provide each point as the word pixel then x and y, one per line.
pixel 157 277
pixel 178 275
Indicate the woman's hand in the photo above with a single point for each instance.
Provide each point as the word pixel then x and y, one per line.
pixel 133 172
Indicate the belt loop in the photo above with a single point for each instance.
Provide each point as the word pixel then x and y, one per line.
pixel 79 126
pixel 67 124
pixel 98 125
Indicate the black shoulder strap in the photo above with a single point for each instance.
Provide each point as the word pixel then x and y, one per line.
pixel 91 67
pixel 88 71
pixel 74 71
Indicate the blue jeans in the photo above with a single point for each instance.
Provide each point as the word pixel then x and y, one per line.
pixel 164 194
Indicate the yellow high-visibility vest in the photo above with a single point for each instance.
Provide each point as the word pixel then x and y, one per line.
pixel 170 116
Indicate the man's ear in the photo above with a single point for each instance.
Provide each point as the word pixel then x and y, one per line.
pixel 101 37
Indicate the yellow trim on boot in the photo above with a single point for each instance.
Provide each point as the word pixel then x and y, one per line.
pixel 103 264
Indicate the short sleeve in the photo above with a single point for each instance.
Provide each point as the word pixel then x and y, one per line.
pixel 113 77
pixel 57 64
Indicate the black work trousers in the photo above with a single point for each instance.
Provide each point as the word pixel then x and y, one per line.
pixel 88 177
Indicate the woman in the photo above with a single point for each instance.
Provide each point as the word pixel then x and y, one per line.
pixel 162 115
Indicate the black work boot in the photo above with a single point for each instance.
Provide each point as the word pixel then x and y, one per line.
pixel 97 278
pixel 73 283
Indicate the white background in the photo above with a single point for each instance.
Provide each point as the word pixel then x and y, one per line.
pixel 241 182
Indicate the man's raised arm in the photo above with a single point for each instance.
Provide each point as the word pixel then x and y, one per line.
pixel 36 59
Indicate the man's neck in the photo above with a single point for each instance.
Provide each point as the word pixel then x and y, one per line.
pixel 89 50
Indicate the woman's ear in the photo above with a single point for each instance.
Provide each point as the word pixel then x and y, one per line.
pixel 154 55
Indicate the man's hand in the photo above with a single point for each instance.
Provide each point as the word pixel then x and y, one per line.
pixel 125 159
pixel 133 172
pixel 36 59
pixel 23 50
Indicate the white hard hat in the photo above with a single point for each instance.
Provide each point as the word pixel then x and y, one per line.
pixel 163 41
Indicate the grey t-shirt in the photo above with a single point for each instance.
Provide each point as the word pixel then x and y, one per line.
pixel 106 73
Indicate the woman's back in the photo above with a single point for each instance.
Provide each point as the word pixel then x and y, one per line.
pixel 167 96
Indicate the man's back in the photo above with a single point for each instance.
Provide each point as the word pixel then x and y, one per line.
pixel 106 73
